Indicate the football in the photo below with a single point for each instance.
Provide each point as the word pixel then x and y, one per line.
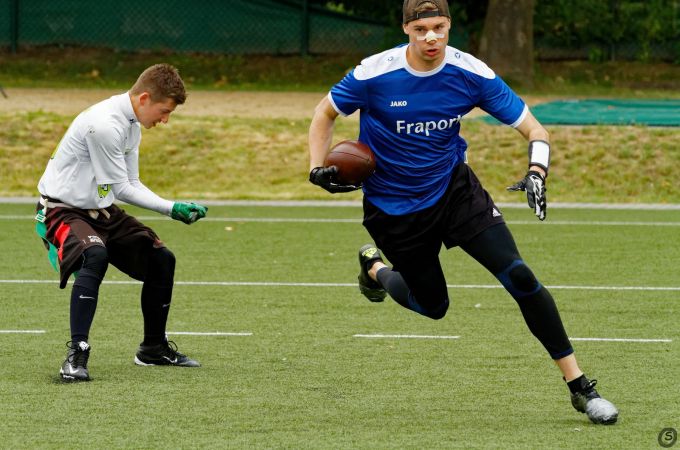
pixel 354 160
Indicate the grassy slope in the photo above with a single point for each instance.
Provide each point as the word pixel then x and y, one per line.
pixel 212 157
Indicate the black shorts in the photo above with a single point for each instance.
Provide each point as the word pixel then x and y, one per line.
pixel 464 211
pixel 126 239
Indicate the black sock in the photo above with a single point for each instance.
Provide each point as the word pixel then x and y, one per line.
pixel 578 384
pixel 157 294
pixel 155 308
pixel 85 292
pixel 395 285
pixel 83 307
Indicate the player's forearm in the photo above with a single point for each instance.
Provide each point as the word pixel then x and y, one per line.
pixel 142 197
pixel 320 135
pixel 532 130
pixel 319 143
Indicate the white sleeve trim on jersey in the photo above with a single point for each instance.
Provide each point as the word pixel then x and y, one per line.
pixel 335 107
pixel 135 193
pixel 468 62
pixel 521 118
pixel 381 63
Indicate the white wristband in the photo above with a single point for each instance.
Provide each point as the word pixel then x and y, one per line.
pixel 539 154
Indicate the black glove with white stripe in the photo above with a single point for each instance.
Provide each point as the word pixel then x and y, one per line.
pixel 534 184
pixel 325 177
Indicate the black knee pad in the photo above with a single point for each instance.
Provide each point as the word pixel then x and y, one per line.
pixel 95 263
pixel 161 264
pixel 519 280
pixel 96 259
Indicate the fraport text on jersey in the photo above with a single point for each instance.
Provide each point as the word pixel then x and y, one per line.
pixel 426 127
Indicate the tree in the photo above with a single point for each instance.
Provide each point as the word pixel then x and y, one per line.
pixel 507 42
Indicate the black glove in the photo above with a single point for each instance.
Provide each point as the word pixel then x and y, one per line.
pixel 325 177
pixel 534 184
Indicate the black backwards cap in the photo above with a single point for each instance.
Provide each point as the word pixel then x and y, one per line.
pixel 410 7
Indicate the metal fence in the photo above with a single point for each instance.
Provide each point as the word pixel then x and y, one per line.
pixel 287 27
pixel 602 30
pixel 224 26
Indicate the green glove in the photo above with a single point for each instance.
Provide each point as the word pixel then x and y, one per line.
pixel 188 212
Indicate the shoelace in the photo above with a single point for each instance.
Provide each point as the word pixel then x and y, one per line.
pixel 590 385
pixel 589 390
pixel 172 349
pixel 79 357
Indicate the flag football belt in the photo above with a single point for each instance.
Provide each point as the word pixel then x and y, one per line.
pixel 41 228
pixel 49 203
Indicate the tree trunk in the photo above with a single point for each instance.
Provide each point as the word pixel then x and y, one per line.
pixel 507 42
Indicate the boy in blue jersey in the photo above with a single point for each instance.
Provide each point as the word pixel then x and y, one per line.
pixel 423 195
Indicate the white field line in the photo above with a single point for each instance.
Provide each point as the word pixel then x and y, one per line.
pixel 353 285
pixel 209 333
pixel 601 223
pixel 594 339
pixel 357 203
pixel 588 339
pixel 402 336
pixel 22 331
pixel 368 336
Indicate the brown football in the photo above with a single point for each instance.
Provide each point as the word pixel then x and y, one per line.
pixel 354 160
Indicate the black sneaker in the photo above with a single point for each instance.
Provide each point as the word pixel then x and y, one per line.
pixel 588 401
pixel 74 367
pixel 369 254
pixel 164 354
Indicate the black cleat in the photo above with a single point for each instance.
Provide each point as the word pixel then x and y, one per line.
pixel 588 401
pixel 164 354
pixel 368 255
pixel 74 367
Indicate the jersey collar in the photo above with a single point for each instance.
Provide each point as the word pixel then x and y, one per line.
pixel 126 108
pixel 418 73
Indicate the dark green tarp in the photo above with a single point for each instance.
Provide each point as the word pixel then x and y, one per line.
pixel 607 112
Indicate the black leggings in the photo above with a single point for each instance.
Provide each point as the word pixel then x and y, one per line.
pixel 420 286
pixel 156 296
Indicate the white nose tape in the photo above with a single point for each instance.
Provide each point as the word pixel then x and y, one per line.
pixel 430 36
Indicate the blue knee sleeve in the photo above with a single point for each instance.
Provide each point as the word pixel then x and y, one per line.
pixel 518 280
pixel 437 312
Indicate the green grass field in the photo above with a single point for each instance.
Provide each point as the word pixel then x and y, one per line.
pixel 302 380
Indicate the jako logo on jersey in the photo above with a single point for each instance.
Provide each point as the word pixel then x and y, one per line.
pixel 426 127
pixel 396 103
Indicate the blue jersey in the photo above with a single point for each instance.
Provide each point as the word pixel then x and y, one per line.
pixel 411 120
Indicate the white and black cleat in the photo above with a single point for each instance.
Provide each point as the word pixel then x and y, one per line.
pixel 597 409
pixel 74 367
pixel 164 354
